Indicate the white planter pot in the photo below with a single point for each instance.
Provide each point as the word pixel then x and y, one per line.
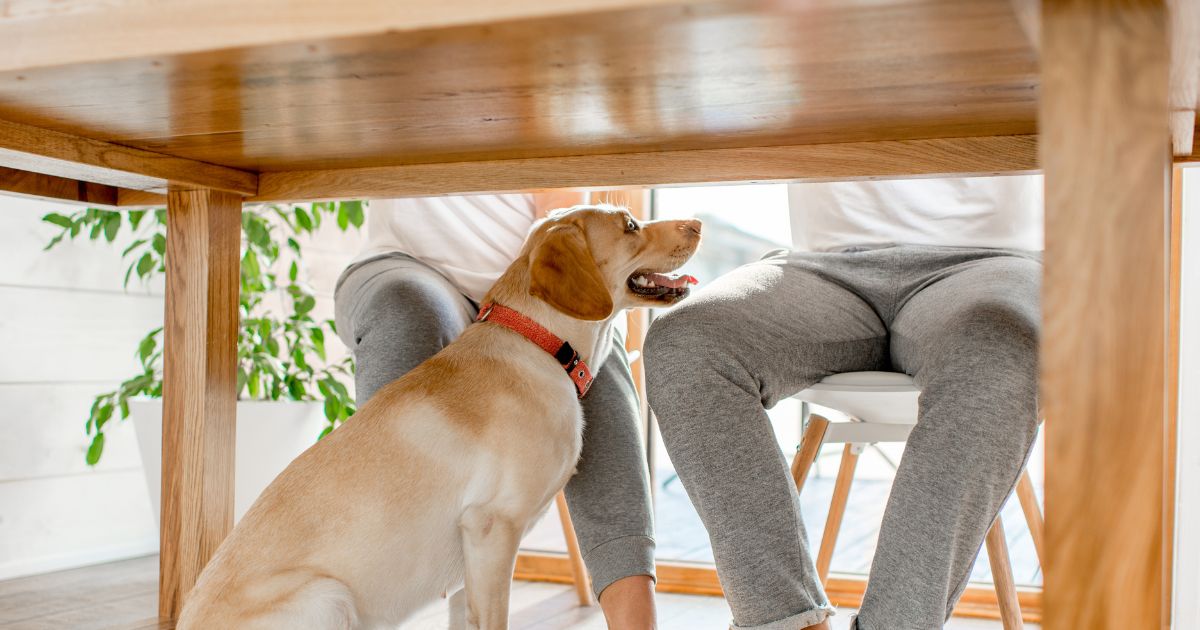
pixel 270 434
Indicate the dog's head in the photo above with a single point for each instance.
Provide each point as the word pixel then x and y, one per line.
pixel 591 261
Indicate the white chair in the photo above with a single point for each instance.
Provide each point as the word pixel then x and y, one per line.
pixel 882 407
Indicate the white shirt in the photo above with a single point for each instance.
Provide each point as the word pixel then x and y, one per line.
pixel 1001 212
pixel 469 239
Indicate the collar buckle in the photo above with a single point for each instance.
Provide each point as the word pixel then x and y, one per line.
pixel 575 367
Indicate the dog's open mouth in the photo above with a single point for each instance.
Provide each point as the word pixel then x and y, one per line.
pixel 662 286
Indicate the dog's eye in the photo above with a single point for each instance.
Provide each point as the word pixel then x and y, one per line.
pixel 631 225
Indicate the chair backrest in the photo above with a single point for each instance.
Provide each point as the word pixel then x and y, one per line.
pixel 873 397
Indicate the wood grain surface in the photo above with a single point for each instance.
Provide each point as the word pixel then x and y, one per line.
pixel 1105 150
pixel 660 76
pixel 843 161
pixel 76 157
pixel 199 382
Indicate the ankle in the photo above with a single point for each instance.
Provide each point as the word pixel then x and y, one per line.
pixel 628 604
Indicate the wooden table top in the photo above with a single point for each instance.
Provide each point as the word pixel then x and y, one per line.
pixel 296 85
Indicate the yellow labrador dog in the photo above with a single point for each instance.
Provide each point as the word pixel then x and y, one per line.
pixel 434 481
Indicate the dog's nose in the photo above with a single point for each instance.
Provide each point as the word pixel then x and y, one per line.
pixel 691 225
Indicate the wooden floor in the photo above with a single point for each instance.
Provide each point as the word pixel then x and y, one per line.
pixel 123 595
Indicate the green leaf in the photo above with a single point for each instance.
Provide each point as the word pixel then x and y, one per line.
pixel 54 241
pixel 336 384
pixel 318 341
pixel 354 210
pixel 294 245
pixel 303 221
pixel 112 223
pixel 325 432
pixel 96 228
pixel 146 348
pixel 257 232
pixel 343 217
pixel 145 265
pixel 95 450
pixel 103 414
pixel 59 220
pixel 304 305
pixel 296 389
pixel 273 346
pixel 253 384
pixel 132 246
pixel 75 229
pixel 135 217
pixel 159 243
pixel 293 271
pixel 298 358
pixel 332 409
pixel 251 272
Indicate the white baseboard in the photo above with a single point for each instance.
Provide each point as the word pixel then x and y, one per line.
pixel 87 557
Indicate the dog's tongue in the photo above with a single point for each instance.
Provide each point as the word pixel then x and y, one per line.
pixel 663 280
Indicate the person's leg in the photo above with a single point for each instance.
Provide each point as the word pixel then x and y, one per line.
pixel 609 498
pixel 394 313
pixel 970 340
pixel 714 365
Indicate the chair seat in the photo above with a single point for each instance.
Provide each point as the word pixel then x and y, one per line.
pixel 874 397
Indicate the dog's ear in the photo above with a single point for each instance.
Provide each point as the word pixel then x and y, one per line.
pixel 563 274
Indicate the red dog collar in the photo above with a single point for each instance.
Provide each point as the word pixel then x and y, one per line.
pixel 562 351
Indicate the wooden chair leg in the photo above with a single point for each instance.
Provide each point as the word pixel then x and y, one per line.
pixel 1033 515
pixel 810 447
pixel 1002 576
pixel 837 509
pixel 583 587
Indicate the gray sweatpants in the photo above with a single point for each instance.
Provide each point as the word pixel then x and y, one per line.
pixel 963 322
pixel 394 312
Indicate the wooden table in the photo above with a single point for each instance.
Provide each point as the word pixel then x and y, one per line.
pixel 218 102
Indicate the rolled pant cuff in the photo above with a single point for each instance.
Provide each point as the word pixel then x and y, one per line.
pixel 799 621
pixel 620 558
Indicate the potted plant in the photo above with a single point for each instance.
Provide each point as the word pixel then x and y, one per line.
pixel 289 391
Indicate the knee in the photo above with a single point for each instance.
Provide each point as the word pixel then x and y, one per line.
pixel 999 332
pixel 666 344
pixel 404 305
pixel 688 347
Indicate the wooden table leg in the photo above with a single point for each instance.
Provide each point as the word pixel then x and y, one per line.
pixel 199 381
pixel 1105 151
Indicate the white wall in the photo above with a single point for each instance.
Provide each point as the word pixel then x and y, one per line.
pixel 1187 539
pixel 68 331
